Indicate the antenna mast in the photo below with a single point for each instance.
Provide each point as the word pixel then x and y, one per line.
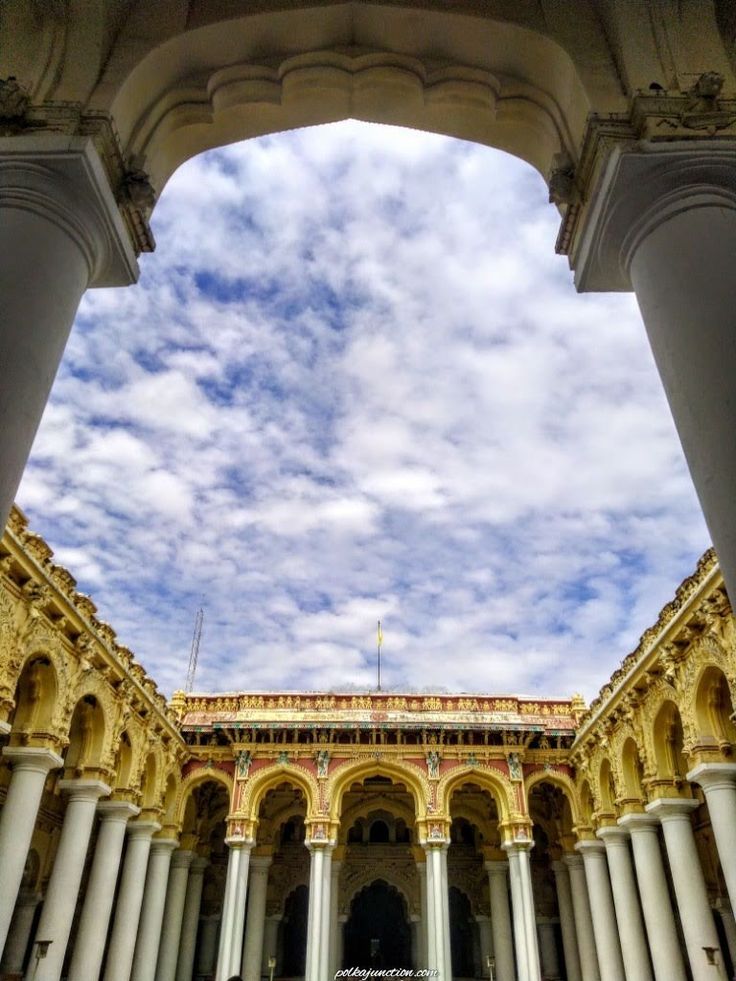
pixel 196 637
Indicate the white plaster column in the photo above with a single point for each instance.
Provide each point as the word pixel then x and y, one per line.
pixel 190 919
pixel 439 955
pixel 729 926
pixel 270 942
pixel 718 781
pixel 207 952
pixel 66 875
pixel 583 918
pixel 233 909
pixel 19 933
pixel 18 818
pixel 687 877
pixel 334 910
pixel 659 917
pixel 152 910
pixel 567 922
pixel 423 914
pixel 522 905
pixel 503 941
pixel 316 915
pixel 486 944
pixel 662 219
pixel 605 930
pixel 256 917
pixel 341 921
pixel 176 894
pixel 121 948
pixel 626 903
pixel 60 232
pixel 548 949
pixel 89 946
pixel 415 926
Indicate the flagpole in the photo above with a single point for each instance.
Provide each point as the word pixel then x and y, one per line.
pixel 380 638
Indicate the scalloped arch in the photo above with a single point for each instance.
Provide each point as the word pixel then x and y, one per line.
pixel 257 786
pixel 498 785
pixel 561 780
pixel 195 779
pixel 351 772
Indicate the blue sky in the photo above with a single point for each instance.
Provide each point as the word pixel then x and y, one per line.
pixel 355 382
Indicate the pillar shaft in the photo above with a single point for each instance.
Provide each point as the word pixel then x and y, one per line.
pixel 190 920
pixel 659 918
pixel 152 910
pixel 66 875
pixel 610 961
pixel 60 232
pixel 439 955
pixel 486 944
pixel 335 964
pixel 270 943
pixel 19 933
pixel 583 918
pixel 176 893
pixel 503 941
pixel 89 947
pixel 548 950
pixel 18 819
pixel 522 903
pixel 718 781
pixel 130 898
pixel 626 903
pixel 687 877
pixel 233 909
pixel 423 915
pixel 256 918
pixel 567 922
pixel 318 923
pixel 207 952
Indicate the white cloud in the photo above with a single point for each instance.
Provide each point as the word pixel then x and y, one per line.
pixel 356 382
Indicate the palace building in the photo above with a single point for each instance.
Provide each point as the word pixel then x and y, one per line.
pixel 301 834
pixel 472 835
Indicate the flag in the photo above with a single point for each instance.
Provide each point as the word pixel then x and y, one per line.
pixel 380 634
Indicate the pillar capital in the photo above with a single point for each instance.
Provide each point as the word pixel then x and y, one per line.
pixel 260 863
pixel 182 858
pixel 143 829
pixel 634 823
pixel 496 866
pixel 83 789
pixel 199 865
pixel 672 808
pixel 613 835
pixel 35 758
pixel 573 861
pixel 163 845
pixel 117 810
pixel 588 847
pixel 520 845
pixel 711 775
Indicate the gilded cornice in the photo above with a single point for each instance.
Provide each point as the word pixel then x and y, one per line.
pixel 52 588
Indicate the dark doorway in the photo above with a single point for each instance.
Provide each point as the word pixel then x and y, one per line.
pixel 378 933
pixel 461 935
pixel 294 933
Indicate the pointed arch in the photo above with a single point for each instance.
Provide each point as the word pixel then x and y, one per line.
pixel 349 773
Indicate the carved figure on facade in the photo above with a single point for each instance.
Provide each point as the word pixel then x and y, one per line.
pixel 434 760
pixel 243 764
pixel 322 759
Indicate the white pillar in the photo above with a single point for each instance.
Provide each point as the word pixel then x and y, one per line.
pixel 439 954
pixel 233 908
pixel 626 903
pixel 567 922
pixel 718 781
pixel 256 917
pixel 152 910
pixel 66 875
pixel 423 915
pixel 659 918
pixel 583 918
pixel 503 941
pixel 324 964
pixel 314 916
pixel 729 926
pixel 610 962
pixel 89 946
pixel 270 942
pixel 548 949
pixel 663 220
pixel 522 904
pixel 176 894
pixel 687 877
pixel 334 910
pixel 130 898
pixel 190 919
pixel 18 817
pixel 19 933
pixel 486 944
pixel 60 232
pixel 207 952
pixel 415 926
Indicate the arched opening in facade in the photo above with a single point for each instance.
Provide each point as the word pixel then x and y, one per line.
pixel 377 931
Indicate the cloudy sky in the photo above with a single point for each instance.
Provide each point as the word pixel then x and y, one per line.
pixel 355 382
